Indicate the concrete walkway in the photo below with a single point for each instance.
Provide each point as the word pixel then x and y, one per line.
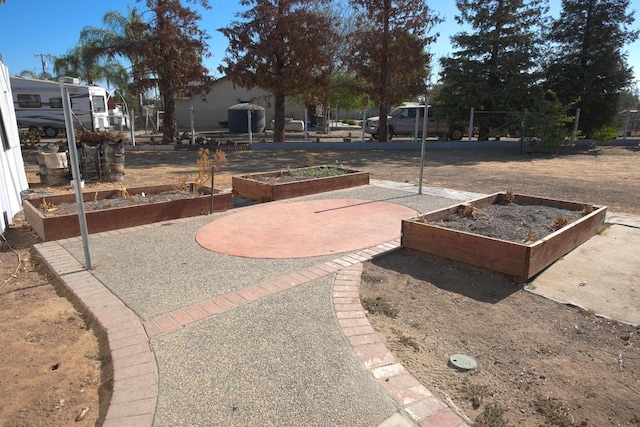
pixel 204 338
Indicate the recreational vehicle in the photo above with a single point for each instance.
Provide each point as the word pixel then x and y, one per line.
pixel 38 104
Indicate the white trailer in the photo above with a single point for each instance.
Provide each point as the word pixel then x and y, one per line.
pixel 38 104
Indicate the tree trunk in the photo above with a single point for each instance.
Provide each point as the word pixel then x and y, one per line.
pixel 278 127
pixel 168 121
pixel 384 76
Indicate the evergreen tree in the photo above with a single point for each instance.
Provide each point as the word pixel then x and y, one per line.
pixel 590 64
pixel 390 51
pixel 495 67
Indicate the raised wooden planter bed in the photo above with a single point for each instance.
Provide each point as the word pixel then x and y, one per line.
pixel 267 188
pixel 63 226
pixel 519 260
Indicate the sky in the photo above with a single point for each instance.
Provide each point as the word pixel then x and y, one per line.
pixel 35 29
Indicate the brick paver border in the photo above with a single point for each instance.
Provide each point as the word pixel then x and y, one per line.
pixel 135 373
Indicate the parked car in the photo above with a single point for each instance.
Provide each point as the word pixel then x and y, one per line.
pixel 402 121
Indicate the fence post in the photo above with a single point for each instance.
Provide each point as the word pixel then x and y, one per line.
pixel 193 131
pixel 626 124
pixel 250 130
pixel 471 124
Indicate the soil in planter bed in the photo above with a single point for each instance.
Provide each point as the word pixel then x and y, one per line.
pixel 117 201
pixel 512 221
pixel 303 174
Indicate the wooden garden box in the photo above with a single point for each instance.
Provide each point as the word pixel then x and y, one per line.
pixel 53 227
pixel 519 260
pixel 264 187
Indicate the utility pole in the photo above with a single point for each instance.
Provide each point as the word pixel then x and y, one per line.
pixel 43 63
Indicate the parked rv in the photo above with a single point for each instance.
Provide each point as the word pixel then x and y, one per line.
pixel 38 104
pixel 402 121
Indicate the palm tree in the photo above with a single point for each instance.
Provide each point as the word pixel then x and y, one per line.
pixel 116 40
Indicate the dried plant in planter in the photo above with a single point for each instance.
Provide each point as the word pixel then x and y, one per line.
pixel 206 165
pixel 559 223
pixel 471 211
pixel 510 196
pixel 311 159
pixel 93 137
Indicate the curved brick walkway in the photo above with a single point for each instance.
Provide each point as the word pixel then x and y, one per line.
pixel 135 373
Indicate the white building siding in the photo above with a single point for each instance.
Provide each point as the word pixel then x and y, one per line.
pixel 13 178
pixel 212 112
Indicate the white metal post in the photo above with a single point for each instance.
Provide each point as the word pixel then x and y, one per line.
pixel 193 128
pixel 424 142
pixel 75 171
pixel 626 124
pixel 471 124
pixel 306 125
pixel 132 128
pixel 364 123
pixel 249 124
pixel 577 121
pixel 416 122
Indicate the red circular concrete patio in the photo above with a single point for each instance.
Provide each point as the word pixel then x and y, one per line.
pixel 304 229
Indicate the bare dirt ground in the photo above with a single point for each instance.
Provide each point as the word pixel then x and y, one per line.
pixel 536 357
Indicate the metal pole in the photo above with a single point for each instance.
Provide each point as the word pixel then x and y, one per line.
pixel 193 128
pixel 364 123
pixel 576 121
pixel 424 142
pixel 471 124
pixel 626 124
pixel 417 121
pixel 75 170
pixel 249 124
pixel 132 128
pixel 306 125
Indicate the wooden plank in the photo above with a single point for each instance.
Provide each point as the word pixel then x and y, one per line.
pixel 64 226
pixel 247 187
pixel 546 251
pixel 481 251
pixel 522 261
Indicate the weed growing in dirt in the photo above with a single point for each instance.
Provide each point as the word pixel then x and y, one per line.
pixel 492 416
pixel 554 412
pixel 378 306
pixel 407 341
pixel 476 393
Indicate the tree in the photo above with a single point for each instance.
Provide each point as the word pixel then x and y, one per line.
pixel 390 51
pixel 170 50
pixel 81 62
pixel 496 65
pixel 114 41
pixel 590 63
pixel 279 46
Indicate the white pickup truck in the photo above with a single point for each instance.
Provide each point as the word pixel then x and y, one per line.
pixel 402 121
